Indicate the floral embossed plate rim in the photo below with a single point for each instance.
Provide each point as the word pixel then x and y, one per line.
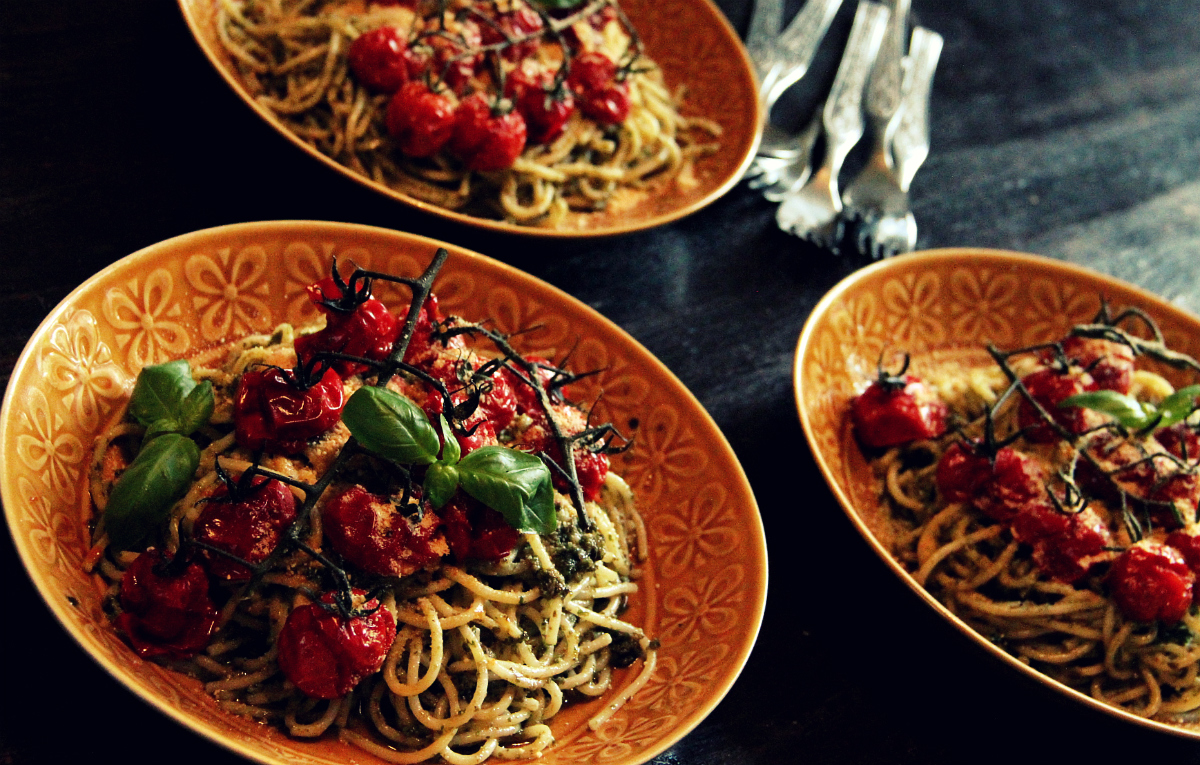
pixel 703 591
pixel 709 62
pixel 937 304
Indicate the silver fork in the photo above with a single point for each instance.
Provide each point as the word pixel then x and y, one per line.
pixel 791 57
pixel 875 192
pixel 812 209
pixel 895 230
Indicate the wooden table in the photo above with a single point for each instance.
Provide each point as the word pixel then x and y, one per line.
pixel 1061 127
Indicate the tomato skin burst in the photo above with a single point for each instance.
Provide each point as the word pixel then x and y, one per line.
pixel 286 512
pixel 1050 501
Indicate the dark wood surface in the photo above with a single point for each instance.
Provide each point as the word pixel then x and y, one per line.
pixel 1069 128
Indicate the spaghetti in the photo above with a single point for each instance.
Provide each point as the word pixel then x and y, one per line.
pixel 599 127
pixel 441 630
pixel 1056 511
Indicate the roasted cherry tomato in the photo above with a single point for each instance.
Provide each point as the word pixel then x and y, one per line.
pixel 516 24
pixel 446 56
pixel 420 351
pixel 245 521
pixel 326 654
pixel 1180 440
pixel 1109 364
pixel 475 531
pixel 1187 542
pixel 601 96
pixel 1049 387
pixel 1152 581
pixel 377 59
pixel 486 139
pixel 894 411
pixel 166 612
pixel 279 410
pixel 1065 544
pixel 1152 479
pixel 591 468
pixel 420 119
pixel 497 406
pixel 545 110
pixel 371 533
pixel 999 487
pixel 358 326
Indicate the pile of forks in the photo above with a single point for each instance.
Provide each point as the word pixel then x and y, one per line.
pixel 882 73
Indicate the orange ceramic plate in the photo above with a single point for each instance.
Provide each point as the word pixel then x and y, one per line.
pixel 697 49
pixel 704 587
pixel 943 303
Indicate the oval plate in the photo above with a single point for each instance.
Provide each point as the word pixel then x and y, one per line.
pixel 703 590
pixel 947 302
pixel 709 61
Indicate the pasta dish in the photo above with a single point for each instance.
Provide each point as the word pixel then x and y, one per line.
pixel 390 528
pixel 1048 498
pixel 529 111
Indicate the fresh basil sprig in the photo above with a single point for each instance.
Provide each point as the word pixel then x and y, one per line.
pixel 166 399
pixel 391 425
pixel 158 477
pixel 171 406
pixel 1139 415
pixel 514 483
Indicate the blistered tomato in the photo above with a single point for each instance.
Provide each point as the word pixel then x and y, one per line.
pixel 277 409
pixel 360 326
pixel 326 654
pixel 894 411
pixel 421 120
pixel 245 522
pixel 166 609
pixel 1151 581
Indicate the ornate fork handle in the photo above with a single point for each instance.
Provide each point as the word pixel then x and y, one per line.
pixel 910 144
pixel 760 37
pixel 843 115
pixel 796 47
pixel 884 90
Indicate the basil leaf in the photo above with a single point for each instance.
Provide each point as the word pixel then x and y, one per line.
pixel 160 391
pixel 451 451
pixel 515 483
pixel 390 425
pixel 1177 406
pixel 1124 409
pixel 145 492
pixel 441 481
pixel 197 408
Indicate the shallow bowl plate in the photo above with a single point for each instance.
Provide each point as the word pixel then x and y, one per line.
pixel 690 40
pixel 946 304
pixel 704 588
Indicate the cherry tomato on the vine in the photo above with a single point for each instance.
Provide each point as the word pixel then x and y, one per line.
pixel 545 112
pixel 420 119
pixel 326 654
pixel 446 56
pixel 1152 581
pixel 892 413
pixel 601 96
pixel 366 330
pixel 374 535
pixel 1110 364
pixel 999 486
pixel 247 523
pixel 377 58
pixel 485 139
pixel 1065 544
pixel 476 531
pixel 166 612
pixel 274 408
pixel 522 21
pixel 1049 387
